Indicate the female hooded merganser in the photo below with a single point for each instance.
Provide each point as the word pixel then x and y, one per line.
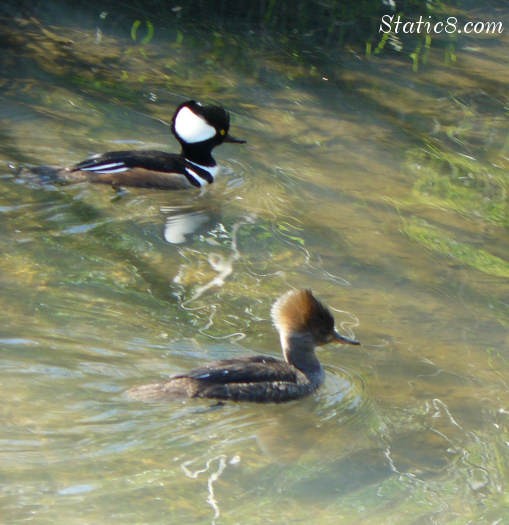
pixel 302 322
pixel 198 128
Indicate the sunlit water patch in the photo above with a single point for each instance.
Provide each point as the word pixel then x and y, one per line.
pixel 380 188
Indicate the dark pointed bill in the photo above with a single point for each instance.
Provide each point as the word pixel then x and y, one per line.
pixel 342 339
pixel 229 138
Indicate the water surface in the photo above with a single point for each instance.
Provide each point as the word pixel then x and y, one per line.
pixel 381 188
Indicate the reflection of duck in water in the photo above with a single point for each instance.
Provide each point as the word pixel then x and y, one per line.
pixel 302 322
pixel 198 128
pixel 183 221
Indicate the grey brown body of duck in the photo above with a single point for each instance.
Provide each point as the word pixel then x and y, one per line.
pixel 303 323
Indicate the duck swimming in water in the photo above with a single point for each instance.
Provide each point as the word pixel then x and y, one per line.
pixel 303 323
pixel 197 127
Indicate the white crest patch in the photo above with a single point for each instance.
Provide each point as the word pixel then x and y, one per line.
pixel 191 127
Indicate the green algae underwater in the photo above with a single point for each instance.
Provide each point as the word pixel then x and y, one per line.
pixel 380 185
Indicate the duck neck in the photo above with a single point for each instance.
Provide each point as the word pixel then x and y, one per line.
pixel 199 154
pixel 299 351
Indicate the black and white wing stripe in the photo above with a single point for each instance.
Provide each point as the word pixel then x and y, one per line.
pixel 155 161
pixel 197 176
pixel 103 166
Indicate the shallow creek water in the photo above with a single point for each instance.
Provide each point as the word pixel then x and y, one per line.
pixel 382 189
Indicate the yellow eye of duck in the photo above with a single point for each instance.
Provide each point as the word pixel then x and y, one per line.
pixel 222 132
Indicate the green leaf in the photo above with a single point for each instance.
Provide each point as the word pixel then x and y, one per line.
pixel 150 33
pixel 134 28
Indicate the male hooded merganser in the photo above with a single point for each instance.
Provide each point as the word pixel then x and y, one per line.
pixel 302 322
pixel 197 127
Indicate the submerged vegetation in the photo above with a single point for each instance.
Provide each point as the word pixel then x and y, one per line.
pixel 141 55
pixel 385 188
pixel 308 32
pixel 463 253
